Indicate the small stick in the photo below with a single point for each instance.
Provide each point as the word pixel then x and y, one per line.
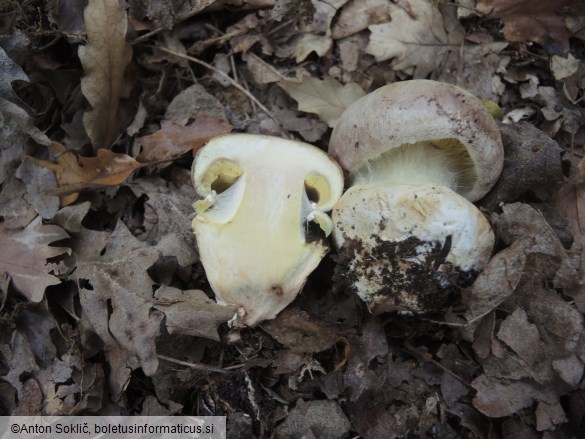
pixel 198 366
pixel 231 81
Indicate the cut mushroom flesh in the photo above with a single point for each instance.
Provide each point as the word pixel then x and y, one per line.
pixel 259 196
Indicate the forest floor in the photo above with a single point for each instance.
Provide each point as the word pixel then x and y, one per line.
pixel 104 304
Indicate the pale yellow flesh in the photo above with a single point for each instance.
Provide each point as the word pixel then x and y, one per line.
pixel 252 241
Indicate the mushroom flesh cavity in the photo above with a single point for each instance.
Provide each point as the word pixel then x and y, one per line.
pixel 417 153
pixel 261 222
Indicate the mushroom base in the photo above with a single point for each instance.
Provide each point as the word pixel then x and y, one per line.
pixel 409 247
pixel 419 281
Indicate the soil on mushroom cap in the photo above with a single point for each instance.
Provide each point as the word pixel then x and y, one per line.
pixel 406 282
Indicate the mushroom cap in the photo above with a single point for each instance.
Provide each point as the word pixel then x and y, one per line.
pixel 260 193
pixel 409 247
pixel 421 111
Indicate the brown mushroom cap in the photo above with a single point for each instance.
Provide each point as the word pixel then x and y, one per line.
pixel 416 112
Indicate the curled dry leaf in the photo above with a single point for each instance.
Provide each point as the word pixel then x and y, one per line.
pixel 10 71
pixel 532 162
pixel 174 140
pixel 327 98
pixel 26 254
pixel 419 36
pixel 104 61
pixel 75 173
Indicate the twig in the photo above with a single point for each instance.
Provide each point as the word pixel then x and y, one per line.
pixel 231 81
pixel 198 366
pixel 418 354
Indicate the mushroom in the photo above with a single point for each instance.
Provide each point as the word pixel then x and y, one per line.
pixel 254 226
pixel 417 154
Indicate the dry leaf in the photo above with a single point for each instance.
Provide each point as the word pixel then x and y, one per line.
pixel 39 181
pixel 357 15
pixel 497 281
pixel 419 37
pixel 116 295
pixel 75 173
pixel 314 419
pixel 327 98
pixel 191 102
pixel 362 371
pixel 298 331
pixel 532 162
pixel 104 61
pixel 562 68
pixel 170 204
pixel 191 312
pixel 68 16
pixel 262 72
pixel 25 256
pixel 316 35
pixel 496 397
pixel 473 68
pixel 10 71
pixel 522 337
pixel 174 140
pixel 541 21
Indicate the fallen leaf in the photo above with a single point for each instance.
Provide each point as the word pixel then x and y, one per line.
pixel 26 254
pixel 311 129
pixel 366 369
pixel 324 419
pixel 570 202
pixel 262 72
pixel 473 68
pixel 191 312
pixel 10 71
pixel 540 21
pixel 192 101
pixel 522 336
pixel 357 15
pixel 68 16
pixel 418 38
pixel 570 369
pixel 115 291
pixel 497 281
pixel 39 181
pixel 562 67
pixel 104 61
pixel 497 398
pixel 549 415
pixel 174 140
pixel 327 98
pixel 75 173
pixel 557 108
pixel 299 332
pixel 171 205
pixel 315 36
pixel 532 162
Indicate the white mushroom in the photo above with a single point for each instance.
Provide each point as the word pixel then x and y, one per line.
pixel 416 152
pixel 260 196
